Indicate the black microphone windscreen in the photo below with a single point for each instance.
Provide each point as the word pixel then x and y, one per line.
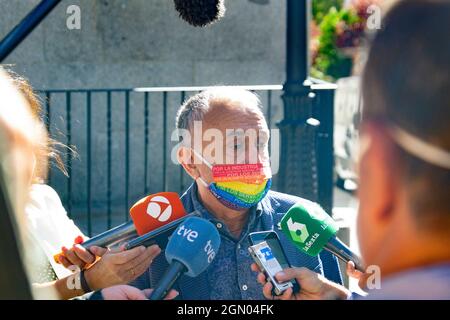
pixel 200 13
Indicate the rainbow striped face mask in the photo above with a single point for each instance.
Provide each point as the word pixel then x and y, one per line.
pixel 238 186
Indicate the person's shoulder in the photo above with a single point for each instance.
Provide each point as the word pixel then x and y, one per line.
pixel 42 194
pixel 284 200
pixel 277 204
pixel 43 190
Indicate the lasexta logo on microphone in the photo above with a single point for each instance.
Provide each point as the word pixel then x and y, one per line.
pixel 298 231
pixel 309 227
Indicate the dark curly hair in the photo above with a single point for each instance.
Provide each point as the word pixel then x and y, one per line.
pixel 200 13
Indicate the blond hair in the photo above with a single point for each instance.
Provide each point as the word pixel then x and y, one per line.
pixel 49 150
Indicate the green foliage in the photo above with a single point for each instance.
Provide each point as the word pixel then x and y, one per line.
pixel 329 61
pixel 321 7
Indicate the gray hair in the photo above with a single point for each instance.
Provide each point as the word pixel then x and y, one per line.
pixel 195 108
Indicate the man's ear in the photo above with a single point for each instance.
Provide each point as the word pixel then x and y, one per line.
pixel 379 170
pixel 185 157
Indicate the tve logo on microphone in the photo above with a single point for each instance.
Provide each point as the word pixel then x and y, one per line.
pixel 194 244
pixel 210 252
pixel 156 210
pixel 187 233
pixel 191 235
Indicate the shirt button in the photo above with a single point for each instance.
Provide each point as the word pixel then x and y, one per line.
pixel 244 287
pixel 219 225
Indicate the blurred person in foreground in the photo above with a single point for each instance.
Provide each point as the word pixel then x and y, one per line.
pixel 404 214
pixel 51 228
pixel 20 136
pixel 44 221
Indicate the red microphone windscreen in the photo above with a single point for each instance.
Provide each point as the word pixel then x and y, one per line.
pixel 156 210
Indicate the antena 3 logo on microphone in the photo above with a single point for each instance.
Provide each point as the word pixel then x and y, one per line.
pixel 159 208
pixel 156 210
pixel 308 227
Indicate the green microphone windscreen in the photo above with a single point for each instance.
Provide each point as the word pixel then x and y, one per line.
pixel 308 227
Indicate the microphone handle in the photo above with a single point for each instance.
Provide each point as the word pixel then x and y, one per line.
pixel 175 270
pixel 109 237
pixel 120 233
pixel 340 250
pixel 150 237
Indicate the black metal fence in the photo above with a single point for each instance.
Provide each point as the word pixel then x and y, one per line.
pixel 122 141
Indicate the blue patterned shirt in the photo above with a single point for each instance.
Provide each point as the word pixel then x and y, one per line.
pixel 229 276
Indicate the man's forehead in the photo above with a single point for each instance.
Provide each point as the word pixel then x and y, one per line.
pixel 231 117
pixel 262 132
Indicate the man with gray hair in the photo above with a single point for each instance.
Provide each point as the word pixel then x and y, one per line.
pixel 224 148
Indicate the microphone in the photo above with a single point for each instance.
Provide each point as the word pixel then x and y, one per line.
pixel 149 213
pixel 191 249
pixel 312 230
pixel 200 13
pixel 161 235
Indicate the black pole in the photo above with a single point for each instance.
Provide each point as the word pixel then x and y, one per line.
pixel 21 31
pixel 297 36
pixel 298 169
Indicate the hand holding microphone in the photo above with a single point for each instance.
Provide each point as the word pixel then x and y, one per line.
pixel 126 292
pixel 191 249
pixel 354 273
pixel 148 214
pixel 118 266
pixel 313 286
pixel 77 255
pixel 312 230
